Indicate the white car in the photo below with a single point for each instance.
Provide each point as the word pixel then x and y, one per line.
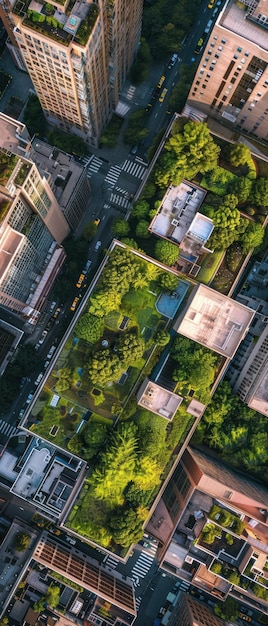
pixel 38 380
pixel 97 246
pixel 30 396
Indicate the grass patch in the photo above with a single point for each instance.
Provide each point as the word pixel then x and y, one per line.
pixel 210 266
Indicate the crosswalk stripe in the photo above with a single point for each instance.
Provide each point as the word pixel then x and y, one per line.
pixel 119 200
pixel 145 562
pixel 140 570
pixel 113 174
pixel 134 169
pixel 94 166
pixel 7 429
pixel 143 559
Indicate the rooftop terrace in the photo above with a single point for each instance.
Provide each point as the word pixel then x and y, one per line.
pixel 158 400
pixel 214 320
pixel 177 211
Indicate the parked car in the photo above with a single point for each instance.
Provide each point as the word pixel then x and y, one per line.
pixel 87 266
pixel 134 150
pixel 97 246
pixel 38 380
pixel 57 312
pixel 29 398
pixel 74 304
pixel 163 95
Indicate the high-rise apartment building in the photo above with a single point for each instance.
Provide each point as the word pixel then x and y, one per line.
pixel 231 81
pixel 78 54
pixel 32 225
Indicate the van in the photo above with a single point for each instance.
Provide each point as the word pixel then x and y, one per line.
pixel 97 246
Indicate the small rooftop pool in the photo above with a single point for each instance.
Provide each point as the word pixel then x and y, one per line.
pixel 168 302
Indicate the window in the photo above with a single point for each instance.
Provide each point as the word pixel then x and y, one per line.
pixel 220 48
pixel 239 49
pixel 235 56
pixel 223 41
pixel 247 54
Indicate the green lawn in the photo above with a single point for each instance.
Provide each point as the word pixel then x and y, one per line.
pixel 210 266
pixel 70 379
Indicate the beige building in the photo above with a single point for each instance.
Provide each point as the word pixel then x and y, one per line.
pixel 214 320
pixel 32 225
pixel 78 55
pixel 232 77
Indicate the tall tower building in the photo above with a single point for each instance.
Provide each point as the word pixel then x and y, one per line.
pixel 78 54
pixel 231 81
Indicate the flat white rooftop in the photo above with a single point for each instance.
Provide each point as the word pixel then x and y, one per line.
pixel 234 18
pixel 214 320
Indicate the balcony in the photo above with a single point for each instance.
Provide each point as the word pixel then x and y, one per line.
pixel 7 164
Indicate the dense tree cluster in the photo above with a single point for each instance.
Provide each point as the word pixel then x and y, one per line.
pixel 165 23
pixel 89 327
pixel 195 367
pixel 238 433
pixel 188 151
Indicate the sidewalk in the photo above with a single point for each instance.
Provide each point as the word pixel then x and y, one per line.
pixel 20 84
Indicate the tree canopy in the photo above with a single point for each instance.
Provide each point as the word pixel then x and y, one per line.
pixel 166 252
pixel 89 327
pixel 187 152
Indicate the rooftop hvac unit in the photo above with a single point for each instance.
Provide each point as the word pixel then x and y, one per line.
pixel 174 222
pixel 189 559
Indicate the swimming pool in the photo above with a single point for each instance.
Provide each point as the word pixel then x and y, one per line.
pixel 168 302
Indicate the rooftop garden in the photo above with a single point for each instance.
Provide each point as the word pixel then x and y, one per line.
pixel 216 540
pixel 237 433
pixel 22 173
pixel 232 574
pixel 226 519
pixel 88 404
pixel 47 21
pixel 87 25
pixel 7 165
pixel 237 199
pixel 48 25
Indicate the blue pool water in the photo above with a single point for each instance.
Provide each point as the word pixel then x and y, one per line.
pixel 168 302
